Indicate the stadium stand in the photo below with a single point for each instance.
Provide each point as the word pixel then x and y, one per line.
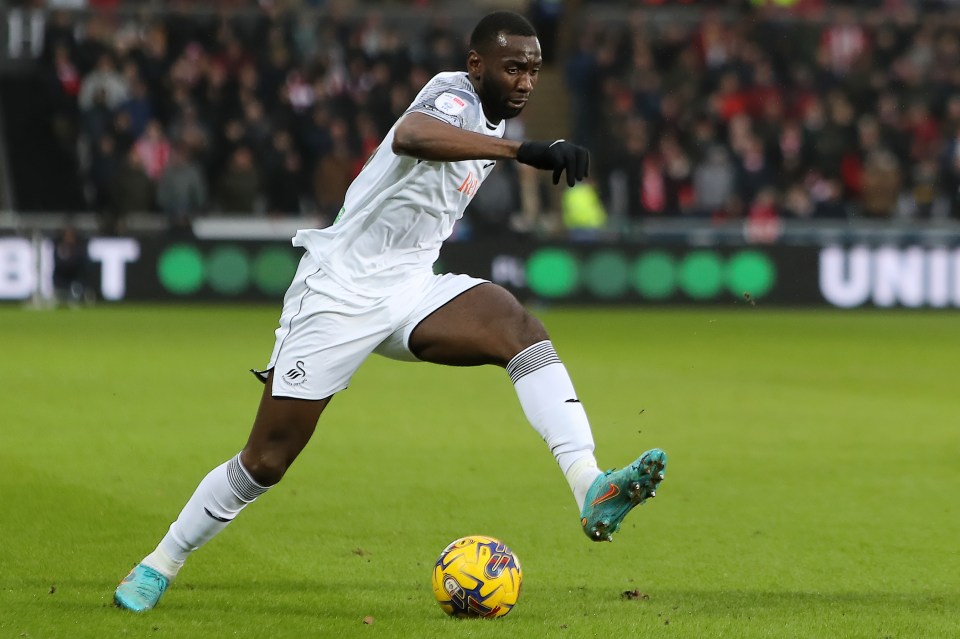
pixel 760 111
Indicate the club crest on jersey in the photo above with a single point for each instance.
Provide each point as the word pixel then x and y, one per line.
pixel 450 104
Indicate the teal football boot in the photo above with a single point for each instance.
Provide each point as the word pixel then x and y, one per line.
pixel 141 589
pixel 615 493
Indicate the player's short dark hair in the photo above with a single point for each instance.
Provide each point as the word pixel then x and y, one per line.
pixel 493 24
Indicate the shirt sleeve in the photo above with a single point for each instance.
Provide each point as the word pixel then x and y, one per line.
pixel 447 100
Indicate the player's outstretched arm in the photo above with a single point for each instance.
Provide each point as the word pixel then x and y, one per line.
pixel 427 138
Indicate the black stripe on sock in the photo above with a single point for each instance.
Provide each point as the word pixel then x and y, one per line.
pixel 531 359
pixel 212 516
pixel 245 488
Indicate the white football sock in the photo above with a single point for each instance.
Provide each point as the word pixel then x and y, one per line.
pixel 220 497
pixel 581 476
pixel 553 409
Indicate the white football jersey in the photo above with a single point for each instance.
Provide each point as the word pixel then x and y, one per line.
pixel 399 210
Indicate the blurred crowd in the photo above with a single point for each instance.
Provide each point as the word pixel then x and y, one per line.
pixel 257 113
pixel 827 114
pixel 763 116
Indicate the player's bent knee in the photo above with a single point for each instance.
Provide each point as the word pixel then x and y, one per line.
pixel 526 330
pixel 530 330
pixel 266 468
pixel 534 330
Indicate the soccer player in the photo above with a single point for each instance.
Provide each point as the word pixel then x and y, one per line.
pixel 366 285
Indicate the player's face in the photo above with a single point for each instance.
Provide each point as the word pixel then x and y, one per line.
pixel 505 75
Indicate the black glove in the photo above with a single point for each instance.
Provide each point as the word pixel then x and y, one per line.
pixel 557 155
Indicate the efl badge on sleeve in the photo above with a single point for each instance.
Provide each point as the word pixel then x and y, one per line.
pixel 450 104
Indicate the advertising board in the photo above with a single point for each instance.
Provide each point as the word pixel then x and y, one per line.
pixel 130 268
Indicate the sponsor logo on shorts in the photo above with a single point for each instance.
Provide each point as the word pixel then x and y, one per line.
pixel 296 375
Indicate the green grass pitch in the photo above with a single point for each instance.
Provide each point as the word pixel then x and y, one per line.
pixel 813 488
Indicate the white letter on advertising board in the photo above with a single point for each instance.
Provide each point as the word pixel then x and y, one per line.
pixel 845 279
pixel 113 253
pixel 17 269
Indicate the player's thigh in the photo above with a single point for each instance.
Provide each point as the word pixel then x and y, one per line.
pixel 285 421
pixel 281 430
pixel 483 325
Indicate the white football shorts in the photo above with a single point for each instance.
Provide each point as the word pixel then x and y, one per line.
pixel 327 331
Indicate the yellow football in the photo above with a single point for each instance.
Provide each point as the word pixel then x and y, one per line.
pixel 477 576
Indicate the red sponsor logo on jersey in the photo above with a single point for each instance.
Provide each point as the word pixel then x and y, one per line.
pixel 469 185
